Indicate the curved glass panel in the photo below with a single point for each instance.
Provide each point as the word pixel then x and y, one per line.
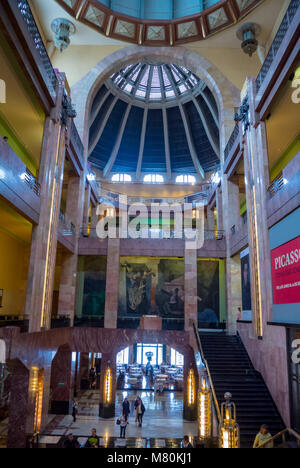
pixel 156 82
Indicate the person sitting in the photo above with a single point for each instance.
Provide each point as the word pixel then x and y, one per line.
pixel 262 437
pixel 186 443
pixel 71 442
pixel 93 440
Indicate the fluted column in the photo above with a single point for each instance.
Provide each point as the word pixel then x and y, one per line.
pixel 257 180
pixel 219 207
pixel 112 284
pixel 190 288
pixel 44 235
pixel 68 277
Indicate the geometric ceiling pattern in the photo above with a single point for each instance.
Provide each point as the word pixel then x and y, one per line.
pixel 163 22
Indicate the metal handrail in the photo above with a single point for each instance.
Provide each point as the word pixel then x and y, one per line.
pixel 277 185
pixel 279 38
pixel 216 403
pixel 219 235
pixel 232 140
pixel 282 434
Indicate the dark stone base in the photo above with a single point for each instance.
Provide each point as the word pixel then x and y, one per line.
pixel 107 411
pixel 61 407
pixel 190 414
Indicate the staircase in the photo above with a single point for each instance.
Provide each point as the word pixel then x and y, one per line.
pixel 232 371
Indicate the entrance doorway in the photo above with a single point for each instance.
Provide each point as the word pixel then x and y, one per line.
pixel 151 367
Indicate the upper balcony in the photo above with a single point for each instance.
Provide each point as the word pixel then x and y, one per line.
pixel 23 36
pixel 159 241
pixel 284 192
pixel 75 150
pixel 66 232
pixel 281 60
pixel 17 185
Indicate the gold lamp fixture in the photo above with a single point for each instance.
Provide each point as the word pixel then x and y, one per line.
pixel 229 431
pixel 191 388
pixel 205 410
pixel 107 386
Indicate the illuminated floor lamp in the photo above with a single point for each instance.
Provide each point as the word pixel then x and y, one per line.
pixel 229 432
pixel 205 410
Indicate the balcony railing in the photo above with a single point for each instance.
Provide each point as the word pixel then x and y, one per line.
pixel 31 181
pixel 47 71
pixel 66 227
pixel 231 141
pixel 277 185
pixel 282 31
pixel 113 197
pixel 76 141
pixel 159 234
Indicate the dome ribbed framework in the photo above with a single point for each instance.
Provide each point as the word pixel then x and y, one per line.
pixel 154 118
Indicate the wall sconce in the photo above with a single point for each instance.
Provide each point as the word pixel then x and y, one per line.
pixel 191 388
pixel 205 410
pixel 229 432
pixel 107 386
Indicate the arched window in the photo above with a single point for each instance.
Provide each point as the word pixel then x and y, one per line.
pixel 185 179
pixel 153 179
pixel 121 178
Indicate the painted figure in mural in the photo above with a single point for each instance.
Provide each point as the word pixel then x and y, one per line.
pixel 139 282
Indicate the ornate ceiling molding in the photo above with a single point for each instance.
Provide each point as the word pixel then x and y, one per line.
pixel 174 32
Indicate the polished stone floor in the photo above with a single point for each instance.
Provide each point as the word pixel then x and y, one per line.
pixel 163 417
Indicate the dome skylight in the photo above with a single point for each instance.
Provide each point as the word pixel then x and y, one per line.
pixel 156 82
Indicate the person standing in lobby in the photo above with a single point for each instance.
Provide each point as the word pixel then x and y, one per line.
pixel 126 408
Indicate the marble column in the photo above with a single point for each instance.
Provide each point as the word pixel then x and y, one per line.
pixel 107 408
pixel 210 220
pixel 94 221
pixel 62 381
pixel 231 216
pixel 20 419
pixel 68 277
pixel 257 180
pixel 219 208
pixel 83 374
pixel 190 288
pixel 112 284
pixel 86 209
pixel 44 235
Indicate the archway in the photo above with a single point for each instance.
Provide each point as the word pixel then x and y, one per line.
pixel 226 94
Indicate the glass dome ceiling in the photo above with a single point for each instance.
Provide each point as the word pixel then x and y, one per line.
pixel 158 9
pixel 156 82
pixel 154 118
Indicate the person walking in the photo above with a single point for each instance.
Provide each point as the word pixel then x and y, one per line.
pixel 140 410
pixel 262 437
pixel 74 410
pixel 123 426
pixel 126 408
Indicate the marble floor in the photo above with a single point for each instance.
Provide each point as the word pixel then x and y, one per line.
pixel 163 417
